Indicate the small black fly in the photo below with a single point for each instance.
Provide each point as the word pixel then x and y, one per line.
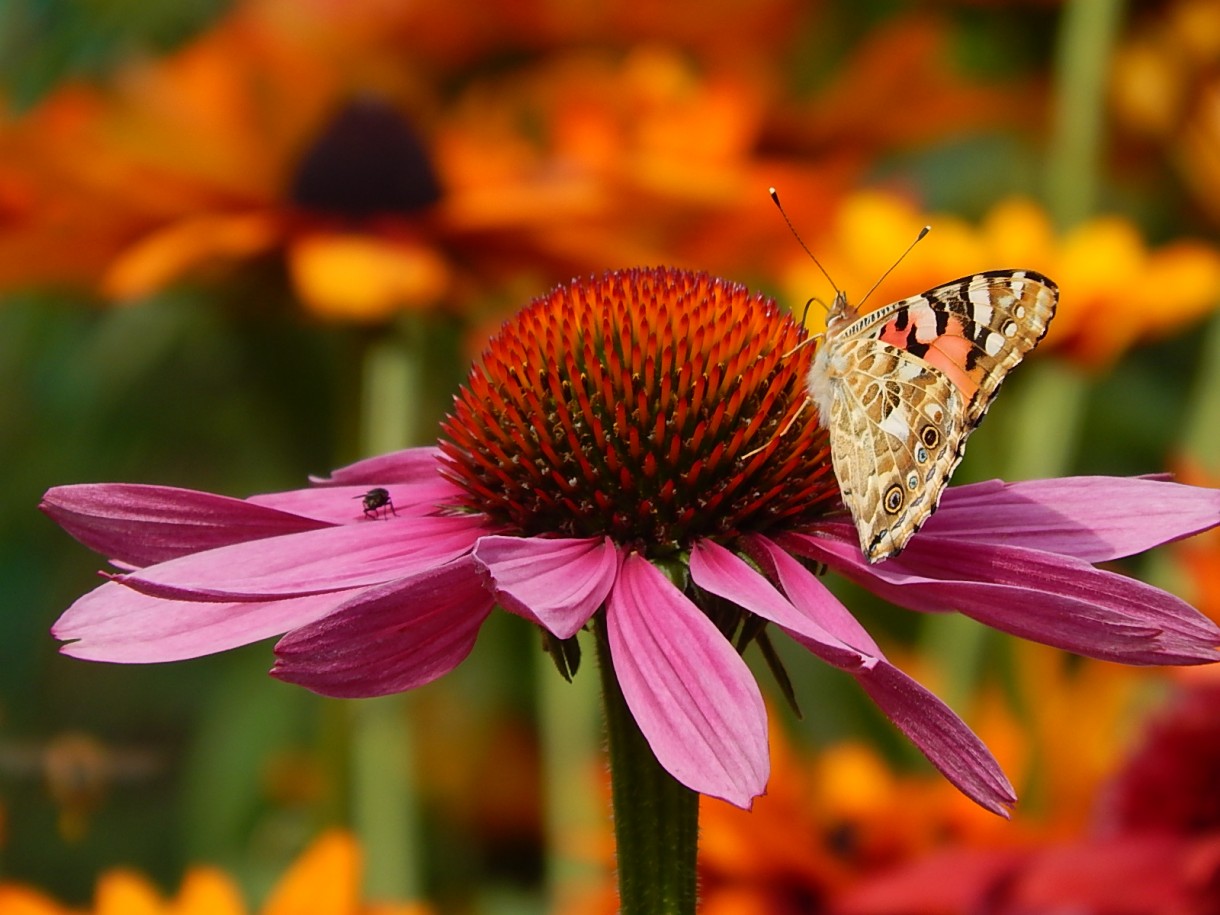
pixel 375 501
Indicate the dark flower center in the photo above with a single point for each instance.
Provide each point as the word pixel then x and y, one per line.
pixel 368 161
pixel 647 405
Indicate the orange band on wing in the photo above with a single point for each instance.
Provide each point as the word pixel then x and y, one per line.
pixel 948 353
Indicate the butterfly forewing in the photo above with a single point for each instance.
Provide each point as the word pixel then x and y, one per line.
pixel 901 388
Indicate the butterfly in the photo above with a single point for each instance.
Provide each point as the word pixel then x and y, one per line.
pixel 900 389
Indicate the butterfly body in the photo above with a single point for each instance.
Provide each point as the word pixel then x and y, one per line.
pixel 901 388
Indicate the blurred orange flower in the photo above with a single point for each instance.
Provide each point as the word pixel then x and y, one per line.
pixel 1165 90
pixel 325 880
pixel 347 144
pixel 1116 290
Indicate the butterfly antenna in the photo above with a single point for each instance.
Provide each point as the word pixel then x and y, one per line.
pixel 800 241
pixel 918 238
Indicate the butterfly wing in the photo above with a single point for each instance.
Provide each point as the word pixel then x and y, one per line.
pixel 896 427
pixel 974 329
pixel 930 362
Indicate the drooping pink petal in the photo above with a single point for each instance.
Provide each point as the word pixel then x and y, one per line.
pixel 831 634
pixel 941 736
pixel 1092 518
pixel 333 559
pixel 557 583
pixel 114 623
pixel 691 694
pixel 344 504
pixel 391 638
pixel 142 525
pixel 1058 600
pixel 410 465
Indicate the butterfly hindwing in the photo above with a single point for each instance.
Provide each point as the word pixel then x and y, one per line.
pixel 896 434
pixel 931 361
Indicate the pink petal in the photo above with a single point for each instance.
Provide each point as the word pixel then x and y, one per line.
pixel 557 583
pixel 1092 518
pixel 1057 600
pixel 344 504
pixel 940 735
pixel 829 633
pixel 692 695
pixel 142 525
pixel 390 638
pixel 410 465
pixel 114 623
pixel 333 559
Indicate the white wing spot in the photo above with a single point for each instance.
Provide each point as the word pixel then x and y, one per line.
pixel 980 297
pixel 896 424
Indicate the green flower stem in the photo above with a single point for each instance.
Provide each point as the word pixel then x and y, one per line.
pixel 656 818
pixel 1082 61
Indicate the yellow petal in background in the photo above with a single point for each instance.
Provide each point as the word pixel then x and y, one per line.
pixel 326 878
pixel 166 255
pixel 359 277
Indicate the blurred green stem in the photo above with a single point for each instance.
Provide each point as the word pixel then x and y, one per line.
pixel 1087 32
pixel 656 818
pixel 1046 408
pixel 1201 441
pixel 574 809
pixel 384 810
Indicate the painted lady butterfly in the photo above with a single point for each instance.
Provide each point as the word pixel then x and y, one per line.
pixel 901 388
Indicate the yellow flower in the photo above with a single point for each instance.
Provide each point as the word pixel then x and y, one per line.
pixel 1116 290
pixel 325 880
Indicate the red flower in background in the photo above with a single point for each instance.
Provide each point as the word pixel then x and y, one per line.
pixel 1155 846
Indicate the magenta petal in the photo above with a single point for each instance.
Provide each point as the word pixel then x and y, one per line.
pixel 1056 600
pixel 816 620
pixel 344 504
pixel 557 583
pixel 722 572
pixel 391 638
pixel 692 695
pixel 940 735
pixel 333 559
pixel 1092 518
pixel 142 525
pixel 410 465
pixel 114 623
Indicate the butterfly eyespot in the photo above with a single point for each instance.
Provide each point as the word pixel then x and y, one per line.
pixel 921 454
pixel 930 436
pixel 913 481
pixel 1009 328
pixel 894 498
pixel 935 412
